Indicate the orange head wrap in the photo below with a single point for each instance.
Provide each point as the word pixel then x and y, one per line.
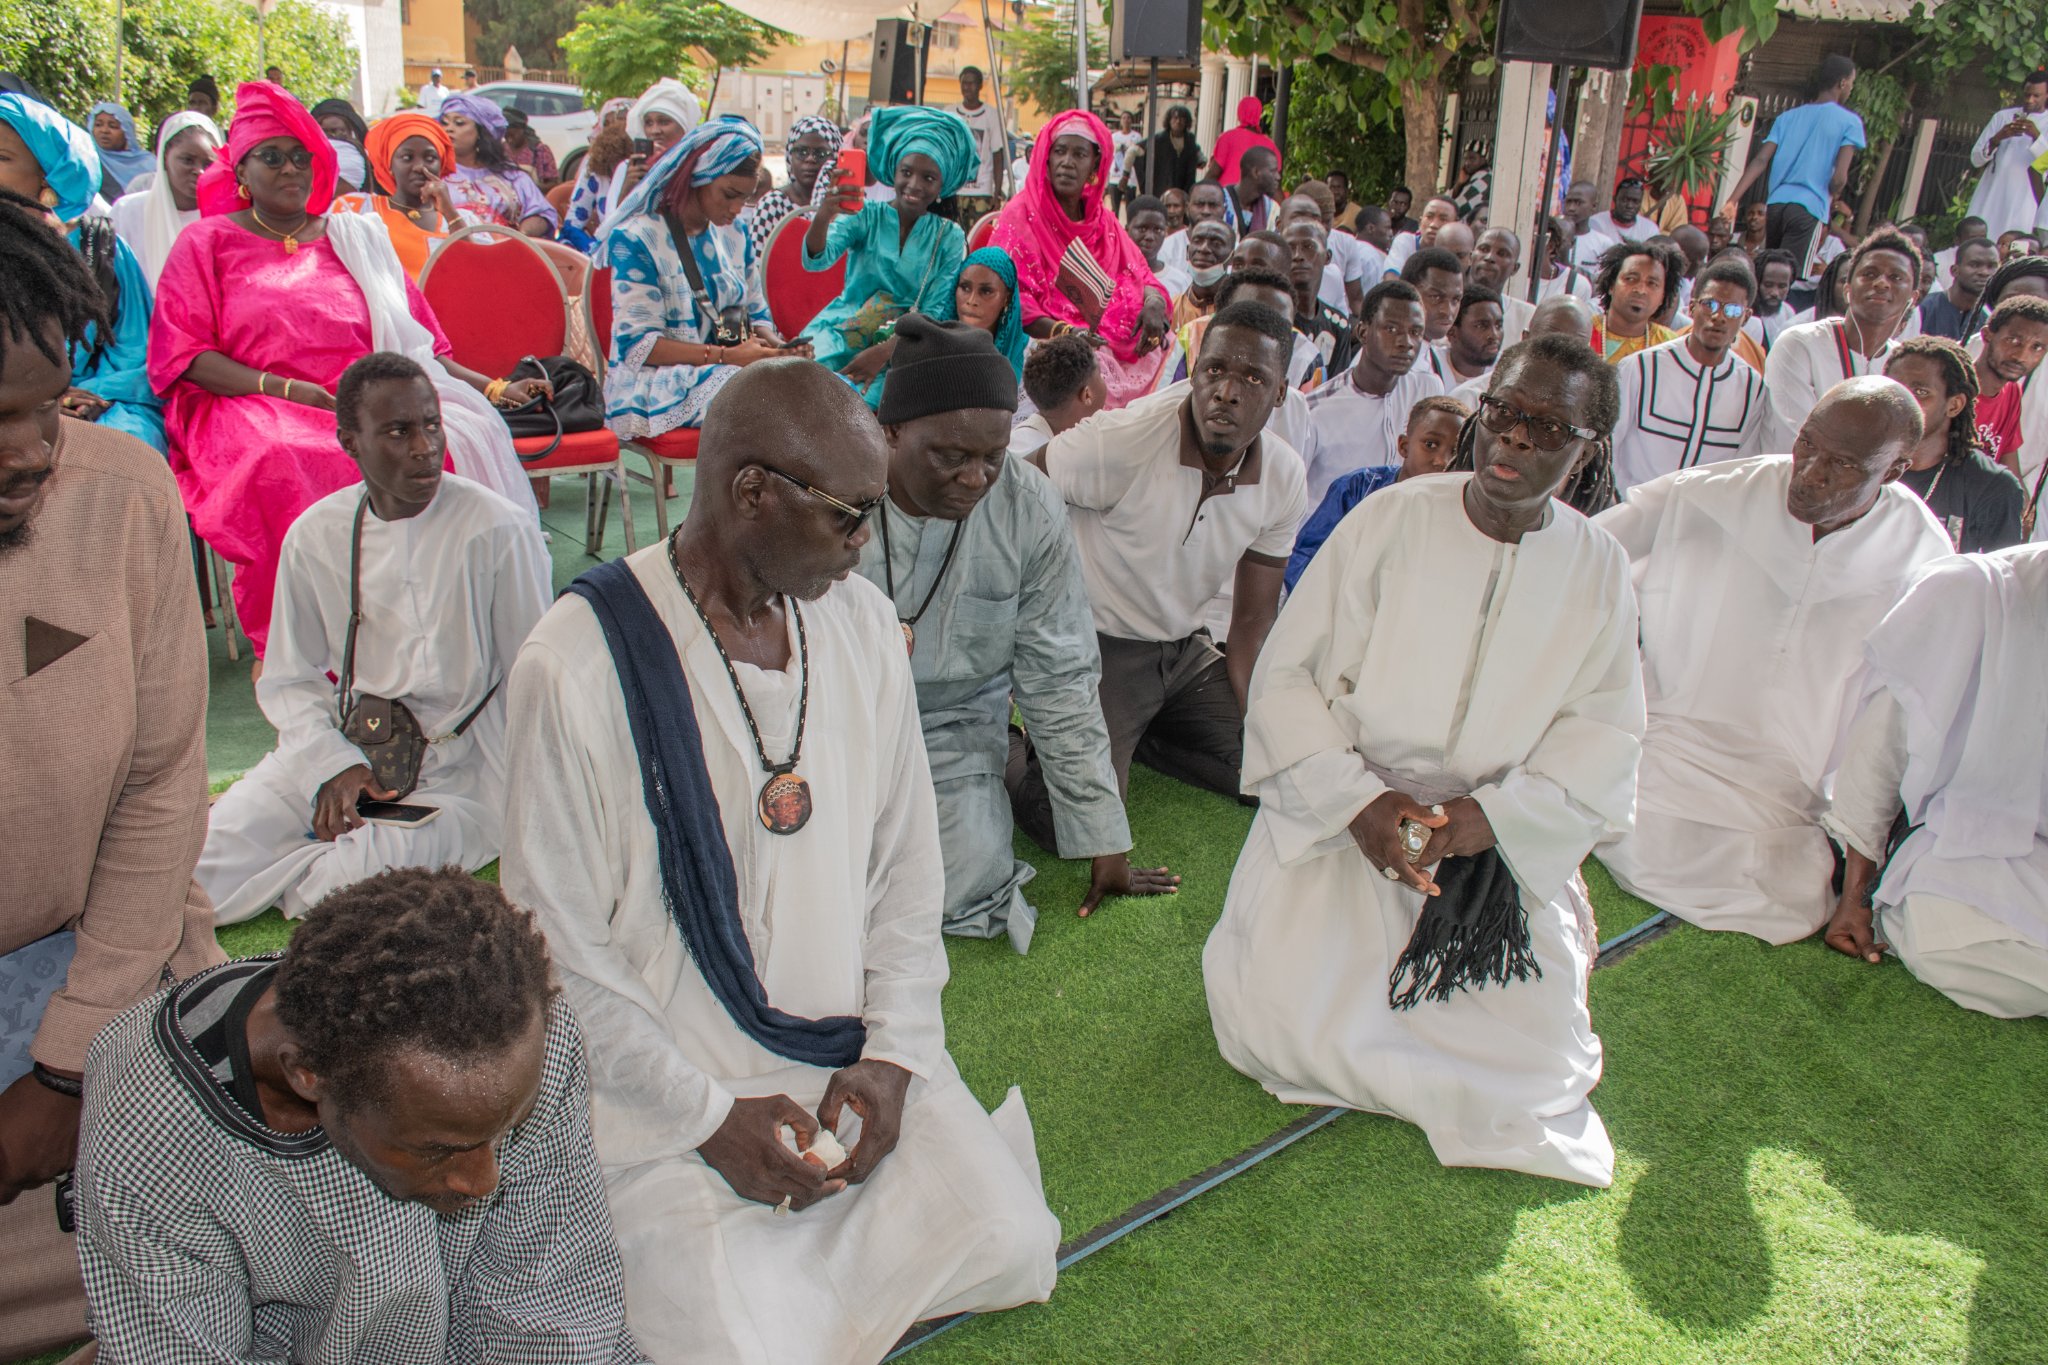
pixel 386 135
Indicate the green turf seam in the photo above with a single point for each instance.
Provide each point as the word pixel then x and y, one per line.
pixel 1167 1200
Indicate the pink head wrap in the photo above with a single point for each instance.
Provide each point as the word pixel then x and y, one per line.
pixel 264 111
pixel 1249 111
pixel 1036 232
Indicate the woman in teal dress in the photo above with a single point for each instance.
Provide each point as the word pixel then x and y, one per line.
pixel 899 255
pixel 50 161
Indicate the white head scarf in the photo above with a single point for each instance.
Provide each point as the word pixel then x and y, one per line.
pixel 161 221
pixel 668 96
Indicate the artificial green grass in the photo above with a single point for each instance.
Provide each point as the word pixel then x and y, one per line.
pixel 1819 1161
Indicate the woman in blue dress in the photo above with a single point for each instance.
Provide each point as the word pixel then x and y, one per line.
pixel 672 349
pixel 47 159
pixel 900 257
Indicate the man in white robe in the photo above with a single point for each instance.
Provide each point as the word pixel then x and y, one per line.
pixel 1357 416
pixel 830 928
pixel 1517 712
pixel 1812 357
pixel 1759 580
pixel 452 577
pixel 2005 152
pixel 1953 732
pixel 1691 401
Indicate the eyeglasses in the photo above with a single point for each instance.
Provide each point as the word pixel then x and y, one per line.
pixel 1734 312
pixel 856 515
pixel 1547 433
pixel 271 157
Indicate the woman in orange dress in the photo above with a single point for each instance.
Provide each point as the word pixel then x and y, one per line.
pixel 407 153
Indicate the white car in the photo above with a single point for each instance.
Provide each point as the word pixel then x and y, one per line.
pixel 557 112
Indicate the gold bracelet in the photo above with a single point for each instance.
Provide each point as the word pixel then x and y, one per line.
pixel 495 390
pixel 288 392
pixel 262 375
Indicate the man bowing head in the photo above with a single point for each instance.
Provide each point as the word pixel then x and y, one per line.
pixel 722 813
pixel 1434 752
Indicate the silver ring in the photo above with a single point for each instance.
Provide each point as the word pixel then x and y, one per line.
pixel 1390 874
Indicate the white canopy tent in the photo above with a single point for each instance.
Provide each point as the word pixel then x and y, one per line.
pixel 838 20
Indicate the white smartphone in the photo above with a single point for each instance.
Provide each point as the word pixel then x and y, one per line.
pixel 396 814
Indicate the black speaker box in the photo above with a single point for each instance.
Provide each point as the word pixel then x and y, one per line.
pixel 1170 30
pixel 1569 32
pixel 892 74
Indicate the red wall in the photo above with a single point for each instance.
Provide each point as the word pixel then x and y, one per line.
pixel 1706 70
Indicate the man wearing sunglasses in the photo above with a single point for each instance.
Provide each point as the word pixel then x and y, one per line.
pixel 1445 720
pixel 722 815
pixel 1760 579
pixel 1692 401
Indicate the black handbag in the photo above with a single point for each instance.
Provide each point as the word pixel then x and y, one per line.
pixel 385 730
pixel 576 405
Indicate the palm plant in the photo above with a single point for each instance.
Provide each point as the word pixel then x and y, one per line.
pixel 1687 149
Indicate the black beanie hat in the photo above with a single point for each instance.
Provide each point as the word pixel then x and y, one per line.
pixel 944 367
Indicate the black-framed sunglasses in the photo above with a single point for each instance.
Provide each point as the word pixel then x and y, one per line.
pixel 271 157
pixel 808 153
pixel 856 515
pixel 1545 433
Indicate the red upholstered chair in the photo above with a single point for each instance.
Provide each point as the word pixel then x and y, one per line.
pixel 983 229
pixel 500 300
pixel 663 452
pixel 796 295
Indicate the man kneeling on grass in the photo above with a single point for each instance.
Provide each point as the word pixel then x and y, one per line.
pixel 1424 806
pixel 400 605
pixel 373 1149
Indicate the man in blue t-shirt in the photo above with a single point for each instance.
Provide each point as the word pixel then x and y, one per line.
pixel 1807 153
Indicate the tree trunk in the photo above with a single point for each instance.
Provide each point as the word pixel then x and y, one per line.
pixel 1422 121
pixel 717 72
pixel 1867 202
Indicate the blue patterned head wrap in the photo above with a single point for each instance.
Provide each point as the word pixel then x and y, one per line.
pixel 65 151
pixel 707 151
pixel 942 135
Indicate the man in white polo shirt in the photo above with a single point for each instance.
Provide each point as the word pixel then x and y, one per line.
pixel 1173 497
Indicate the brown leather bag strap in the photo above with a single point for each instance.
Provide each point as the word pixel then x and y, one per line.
pixel 355 605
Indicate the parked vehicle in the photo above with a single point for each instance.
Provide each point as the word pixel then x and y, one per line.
pixel 557 112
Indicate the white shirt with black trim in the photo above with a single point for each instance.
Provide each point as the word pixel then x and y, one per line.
pixel 1677 413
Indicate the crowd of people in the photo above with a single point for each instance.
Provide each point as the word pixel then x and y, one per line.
pixel 1704 553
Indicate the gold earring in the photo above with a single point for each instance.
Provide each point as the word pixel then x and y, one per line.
pixel 243 191
pixel 48 197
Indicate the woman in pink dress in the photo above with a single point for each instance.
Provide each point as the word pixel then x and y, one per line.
pixel 262 304
pixel 1077 269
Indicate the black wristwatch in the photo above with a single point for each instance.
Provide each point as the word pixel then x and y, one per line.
pixel 63 1085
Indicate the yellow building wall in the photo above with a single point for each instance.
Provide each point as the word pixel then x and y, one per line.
pixel 437 34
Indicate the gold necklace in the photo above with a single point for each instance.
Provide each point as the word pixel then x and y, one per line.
pixel 290 239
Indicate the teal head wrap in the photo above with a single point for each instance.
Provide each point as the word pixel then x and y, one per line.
pixel 65 151
pixel 940 134
pixel 1010 339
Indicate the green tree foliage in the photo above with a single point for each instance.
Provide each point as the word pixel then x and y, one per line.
pixel 1040 56
pixel 66 47
pixel 535 27
pixel 1420 49
pixel 621 49
pixel 2001 40
pixel 1341 118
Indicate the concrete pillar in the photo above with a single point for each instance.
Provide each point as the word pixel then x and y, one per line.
pixel 1519 147
pixel 1916 169
pixel 1603 115
pixel 1209 103
pixel 1237 83
pixel 1737 159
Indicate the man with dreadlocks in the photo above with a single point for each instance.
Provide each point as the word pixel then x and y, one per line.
pixel 1759 580
pixel 371 1149
pixel 1434 753
pixel 1976 500
pixel 1588 483
pixel 103 739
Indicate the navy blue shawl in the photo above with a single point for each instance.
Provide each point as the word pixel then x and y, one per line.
pixel 697 880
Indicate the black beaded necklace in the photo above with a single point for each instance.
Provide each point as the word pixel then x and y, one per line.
pixel 785 801
pixel 889 577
